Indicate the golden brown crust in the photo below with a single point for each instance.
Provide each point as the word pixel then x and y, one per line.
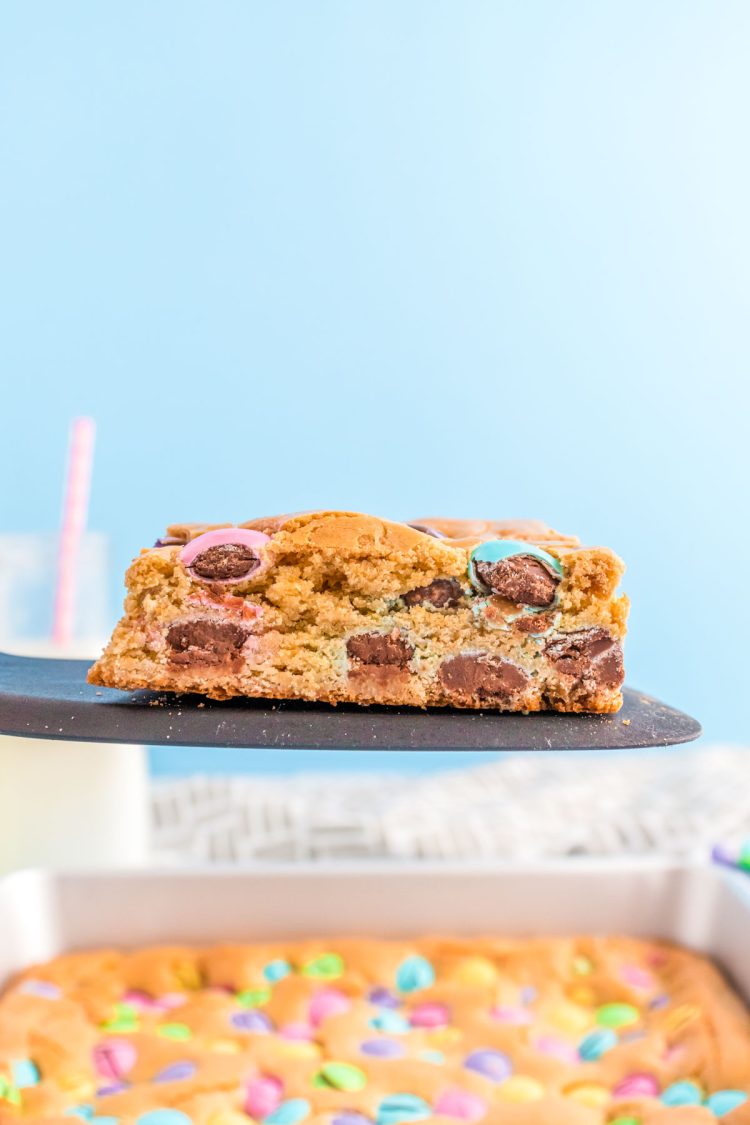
pixel 584 1031
pixel 326 577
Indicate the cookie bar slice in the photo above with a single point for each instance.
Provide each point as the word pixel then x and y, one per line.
pixel 339 606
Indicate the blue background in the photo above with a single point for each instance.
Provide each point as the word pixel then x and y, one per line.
pixel 471 258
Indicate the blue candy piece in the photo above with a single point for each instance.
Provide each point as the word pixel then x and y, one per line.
pixel 25 1073
pixel 593 1046
pixel 437 1058
pixel 85 1112
pixel 724 1101
pixel 682 1093
pixel 495 550
pixel 164 1117
pixel 414 973
pixel 390 1021
pixel 289 1113
pixel 276 970
pixel 399 1108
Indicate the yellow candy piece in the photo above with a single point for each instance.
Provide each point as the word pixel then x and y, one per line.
pixel 229 1117
pixel 298 1049
pixel 79 1085
pixel 188 976
pixel 582 966
pixel 521 1088
pixel 590 1094
pixel 445 1036
pixel 474 972
pixel 225 1046
pixel 569 1018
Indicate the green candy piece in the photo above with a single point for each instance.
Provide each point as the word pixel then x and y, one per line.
pixel 340 1076
pixel 617 1015
pixel 328 966
pixel 178 1031
pixel 253 997
pixel 626 1121
pixel 9 1092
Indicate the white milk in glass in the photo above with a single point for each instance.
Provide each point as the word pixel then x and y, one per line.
pixel 64 804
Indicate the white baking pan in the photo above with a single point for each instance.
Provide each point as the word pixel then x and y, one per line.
pixel 708 908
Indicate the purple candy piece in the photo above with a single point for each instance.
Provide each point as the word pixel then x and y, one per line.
pixel 427 530
pixel 491 1064
pixel 169 541
pixel 251 1021
pixel 384 998
pixel 177 1072
pixel 351 1119
pixel 41 988
pixel 382 1048
pixel 113 1088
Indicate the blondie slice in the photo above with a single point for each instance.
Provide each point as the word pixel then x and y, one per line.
pixel 338 606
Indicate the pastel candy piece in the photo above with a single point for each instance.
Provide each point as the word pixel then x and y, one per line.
pixel 636 977
pixel 326 1003
pixel 383 997
pixel 177 1031
pixel 598 1043
pixel 724 1101
pixel 289 1113
pixel 414 973
pixel 682 1093
pixel 658 1002
pixel 625 1121
pixel 490 1063
pixel 351 1119
pixel 110 1089
pixel 582 966
pixel 436 1058
pixel 40 988
pixel 239 536
pixel 24 1073
pixel 255 1021
pixel 529 994
pixel 253 997
pixel 328 966
pixel 474 972
pixel 342 1076
pixel 639 1085
pixel 397 1108
pixel 9 1092
pixel 591 1094
pixel 177 1072
pixel 461 1104
pixel 495 550
pixel 277 970
pixel 429 1015
pixel 382 1048
pixel 164 1117
pixel 505 1014
pixel 263 1095
pixel 114 1058
pixel 617 1015
pixel 390 1021
pixel 557 1048
pixel 521 1088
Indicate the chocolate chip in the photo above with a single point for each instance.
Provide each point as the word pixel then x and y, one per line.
pixel 442 593
pixel 225 561
pixel 588 654
pixel 427 530
pixel 519 578
pixel 202 641
pixel 481 677
pixel 380 648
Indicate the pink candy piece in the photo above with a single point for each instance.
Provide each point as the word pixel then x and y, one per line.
pixel 263 1095
pixel 637 977
pixel 242 536
pixel 637 1086
pixel 512 1015
pixel 429 1015
pixel 114 1058
pixel 326 1003
pixel 144 1002
pixel 558 1048
pixel 297 1031
pixel 461 1104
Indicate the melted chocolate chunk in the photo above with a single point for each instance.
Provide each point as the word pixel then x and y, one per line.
pixel 481 677
pixel 441 594
pixel 380 648
pixel 225 561
pixel 427 530
pixel 202 641
pixel 520 578
pixel 588 654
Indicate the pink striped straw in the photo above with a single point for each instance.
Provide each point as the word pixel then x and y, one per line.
pixel 74 519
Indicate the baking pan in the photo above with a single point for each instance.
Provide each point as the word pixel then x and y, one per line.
pixel 701 906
